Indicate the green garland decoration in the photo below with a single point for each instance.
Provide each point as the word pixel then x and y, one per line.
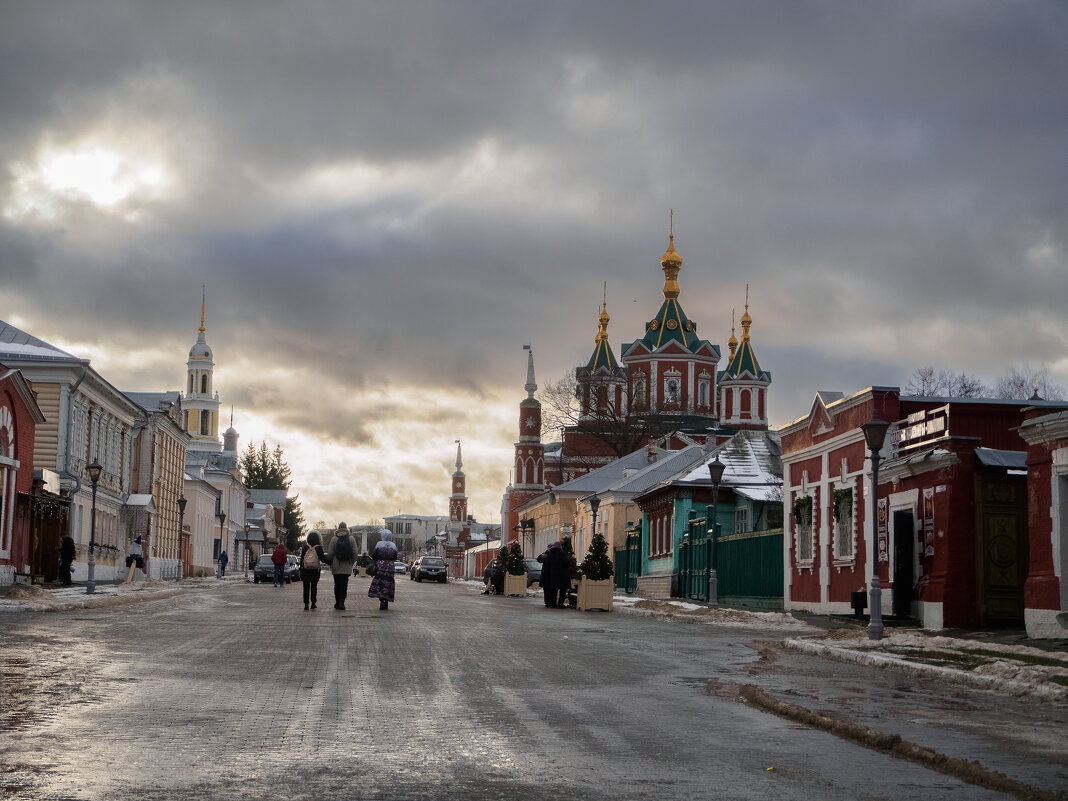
pixel 802 508
pixel 842 496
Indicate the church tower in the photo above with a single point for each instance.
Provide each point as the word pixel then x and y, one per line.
pixel 743 385
pixel 529 466
pixel 201 402
pixel 671 370
pixel 602 383
pixel 458 499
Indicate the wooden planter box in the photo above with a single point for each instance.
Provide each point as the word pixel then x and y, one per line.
pixel 595 594
pixel 361 571
pixel 515 585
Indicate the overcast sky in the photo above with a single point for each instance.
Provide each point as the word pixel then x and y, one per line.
pixel 387 200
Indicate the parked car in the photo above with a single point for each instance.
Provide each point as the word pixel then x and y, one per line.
pixel 400 567
pixel 292 569
pixel 264 570
pixel 430 567
pixel 533 570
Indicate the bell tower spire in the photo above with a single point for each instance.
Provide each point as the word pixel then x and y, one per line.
pixel 201 401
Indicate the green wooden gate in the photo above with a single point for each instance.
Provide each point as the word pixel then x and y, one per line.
pixel 693 559
pixel 629 562
pixel 750 569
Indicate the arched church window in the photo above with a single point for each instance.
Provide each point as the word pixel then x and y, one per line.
pixel 205 422
pixel 639 390
pixel 672 390
pixel 204 384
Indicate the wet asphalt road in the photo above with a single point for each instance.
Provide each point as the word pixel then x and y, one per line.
pixel 236 692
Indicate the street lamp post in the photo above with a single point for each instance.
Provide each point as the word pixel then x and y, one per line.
pixel 181 531
pixel 874 435
pixel 248 531
pixel 595 504
pixel 222 540
pixel 715 473
pixel 94 469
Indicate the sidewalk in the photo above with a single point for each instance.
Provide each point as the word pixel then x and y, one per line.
pixel 1005 662
pixel 1002 661
pixel 56 597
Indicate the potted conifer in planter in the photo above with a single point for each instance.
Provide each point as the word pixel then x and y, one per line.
pixel 515 571
pixel 597 585
pixel 362 561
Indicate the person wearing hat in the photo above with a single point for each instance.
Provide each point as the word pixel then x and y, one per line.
pixel 384 583
pixel 341 554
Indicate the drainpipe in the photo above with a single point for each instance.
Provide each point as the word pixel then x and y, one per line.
pixel 65 472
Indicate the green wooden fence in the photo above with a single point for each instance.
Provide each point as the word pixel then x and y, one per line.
pixel 749 566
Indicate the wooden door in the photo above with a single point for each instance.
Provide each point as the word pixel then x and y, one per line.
pixel 1002 549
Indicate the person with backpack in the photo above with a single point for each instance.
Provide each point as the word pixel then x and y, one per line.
pixel 312 558
pixel 341 554
pixel 279 557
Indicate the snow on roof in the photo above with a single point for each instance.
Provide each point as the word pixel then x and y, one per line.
pixel 752 458
pixel 16 342
pixel 603 477
pixel 661 470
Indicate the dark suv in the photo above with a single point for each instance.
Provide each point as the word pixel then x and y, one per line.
pixel 430 567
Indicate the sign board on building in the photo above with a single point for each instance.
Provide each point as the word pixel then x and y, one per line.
pixel 919 429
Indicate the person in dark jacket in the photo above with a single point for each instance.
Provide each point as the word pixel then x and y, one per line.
pixel 555 576
pixel 341 563
pixel 493 577
pixel 310 565
pixel 384 583
pixel 67 552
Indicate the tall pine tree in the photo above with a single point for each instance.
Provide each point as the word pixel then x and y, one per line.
pixel 267 469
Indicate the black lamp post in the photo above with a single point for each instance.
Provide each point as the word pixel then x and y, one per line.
pixel 248 531
pixel 595 504
pixel 181 530
pixel 222 539
pixel 715 473
pixel 94 469
pixel 874 435
pixel 527 525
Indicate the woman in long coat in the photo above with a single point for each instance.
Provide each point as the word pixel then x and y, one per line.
pixel 384 582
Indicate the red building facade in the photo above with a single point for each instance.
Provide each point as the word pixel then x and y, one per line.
pixel 1046 589
pixel 19 416
pixel 950 539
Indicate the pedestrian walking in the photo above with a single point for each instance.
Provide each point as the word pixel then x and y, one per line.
pixel 135 556
pixel 279 556
pixel 555 575
pixel 223 559
pixel 312 558
pixel 67 552
pixel 341 554
pixel 383 558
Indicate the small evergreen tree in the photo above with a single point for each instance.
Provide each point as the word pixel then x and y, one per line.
pixel 569 552
pixel 363 560
pixel 597 566
pixel 513 560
